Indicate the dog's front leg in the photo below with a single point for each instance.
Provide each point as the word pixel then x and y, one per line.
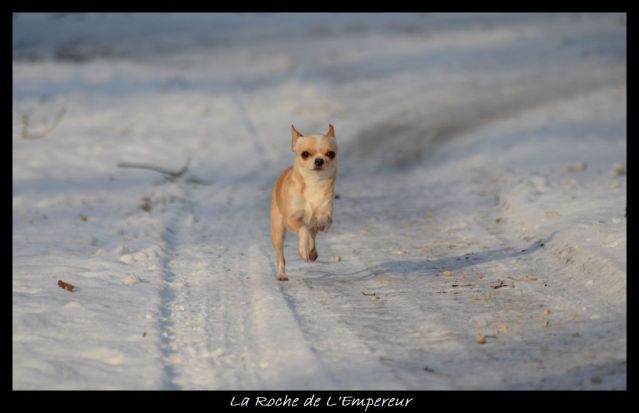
pixel 313 254
pixel 296 223
pixel 324 216
pixel 307 244
pixel 324 222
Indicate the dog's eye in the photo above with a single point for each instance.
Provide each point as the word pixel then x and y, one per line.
pixel 305 154
pixel 330 154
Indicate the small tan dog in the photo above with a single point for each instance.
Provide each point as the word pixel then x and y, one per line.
pixel 303 195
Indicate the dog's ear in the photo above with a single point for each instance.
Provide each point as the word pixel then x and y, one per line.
pixel 331 131
pixel 296 135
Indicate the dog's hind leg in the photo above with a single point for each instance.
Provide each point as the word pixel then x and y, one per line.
pixel 278 233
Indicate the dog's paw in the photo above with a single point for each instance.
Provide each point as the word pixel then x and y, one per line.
pixel 313 255
pixel 324 223
pixel 282 277
pixel 305 254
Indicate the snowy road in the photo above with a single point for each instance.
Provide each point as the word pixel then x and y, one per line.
pixel 480 222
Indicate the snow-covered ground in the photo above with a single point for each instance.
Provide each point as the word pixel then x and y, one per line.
pixel 482 194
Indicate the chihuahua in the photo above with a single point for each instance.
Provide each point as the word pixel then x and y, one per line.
pixel 303 195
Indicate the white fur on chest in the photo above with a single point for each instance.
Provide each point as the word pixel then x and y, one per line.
pixel 316 197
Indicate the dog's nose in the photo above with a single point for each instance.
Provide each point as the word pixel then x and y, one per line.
pixel 319 161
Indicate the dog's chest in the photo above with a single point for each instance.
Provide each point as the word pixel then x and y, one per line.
pixel 316 194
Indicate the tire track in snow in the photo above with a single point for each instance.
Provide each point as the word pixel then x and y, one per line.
pixel 260 148
pixel 300 321
pixel 172 221
pixel 206 318
pixel 166 322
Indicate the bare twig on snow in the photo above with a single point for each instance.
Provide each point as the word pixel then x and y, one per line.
pixel 168 174
pixel 25 119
